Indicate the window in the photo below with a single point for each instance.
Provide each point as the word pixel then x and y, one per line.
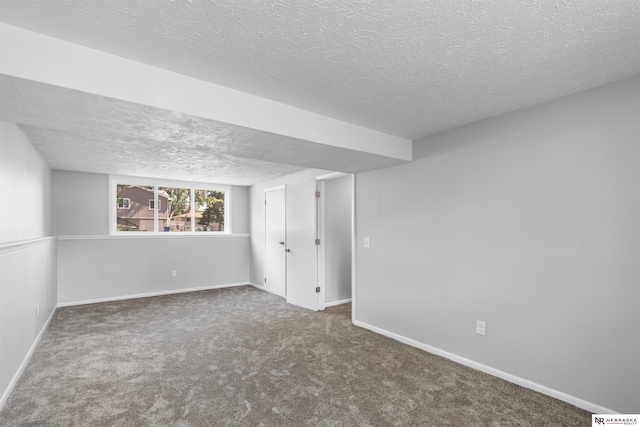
pixel 209 210
pixel 153 206
pixel 152 203
pixel 124 203
pixel 178 202
pixel 131 215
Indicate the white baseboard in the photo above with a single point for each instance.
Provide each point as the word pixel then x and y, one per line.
pixel 152 294
pixel 342 301
pixel 261 287
pixel 591 407
pixel 25 361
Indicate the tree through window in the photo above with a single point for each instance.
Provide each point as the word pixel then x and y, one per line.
pixel 175 209
pixel 179 210
pixel 210 210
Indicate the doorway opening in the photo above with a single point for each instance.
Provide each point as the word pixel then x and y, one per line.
pixel 309 241
pixel 335 230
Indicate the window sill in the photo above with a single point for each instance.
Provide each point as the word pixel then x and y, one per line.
pixel 149 235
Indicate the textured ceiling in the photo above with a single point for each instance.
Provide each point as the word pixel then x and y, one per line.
pixel 408 68
pixel 79 131
pixel 404 67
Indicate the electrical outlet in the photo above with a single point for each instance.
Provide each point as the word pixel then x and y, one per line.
pixel 174 273
pixel 37 310
pixel 481 327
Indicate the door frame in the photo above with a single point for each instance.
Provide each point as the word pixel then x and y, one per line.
pixel 321 236
pixel 264 235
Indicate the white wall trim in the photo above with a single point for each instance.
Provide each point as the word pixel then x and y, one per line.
pixel 592 407
pixel 321 232
pixel 340 302
pixel 151 294
pixel 354 248
pixel 168 235
pixel 320 250
pixel 25 361
pixel 22 244
pixel 262 288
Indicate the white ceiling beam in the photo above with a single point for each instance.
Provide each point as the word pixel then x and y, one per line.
pixel 33 56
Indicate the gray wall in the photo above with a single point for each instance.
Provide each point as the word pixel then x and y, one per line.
pixel 529 221
pixel 80 203
pixel 111 268
pixel 240 211
pixel 27 252
pixel 95 266
pixel 336 200
pixel 26 188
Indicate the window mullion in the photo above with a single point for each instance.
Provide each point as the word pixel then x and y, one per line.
pixel 193 210
pixel 156 229
pixel 227 211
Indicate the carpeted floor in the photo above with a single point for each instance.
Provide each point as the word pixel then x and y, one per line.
pixel 243 357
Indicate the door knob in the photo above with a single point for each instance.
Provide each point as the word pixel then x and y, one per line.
pixel 282 243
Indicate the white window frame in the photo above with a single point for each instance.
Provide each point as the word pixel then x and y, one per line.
pixel 126 205
pixel 159 203
pixel 115 180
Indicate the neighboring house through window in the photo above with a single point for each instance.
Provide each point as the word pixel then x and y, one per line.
pixel 139 215
pixel 192 208
pixel 152 204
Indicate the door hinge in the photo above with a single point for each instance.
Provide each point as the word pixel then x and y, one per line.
pixel 317 242
pixel 317 289
pixel 265 280
pixel 265 202
pixel 317 194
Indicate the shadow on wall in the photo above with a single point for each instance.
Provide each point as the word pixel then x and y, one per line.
pixel 467 136
pixel 538 122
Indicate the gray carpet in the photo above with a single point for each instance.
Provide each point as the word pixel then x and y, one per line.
pixel 243 357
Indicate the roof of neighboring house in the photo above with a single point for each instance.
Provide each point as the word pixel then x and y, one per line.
pixel 161 193
pixel 187 215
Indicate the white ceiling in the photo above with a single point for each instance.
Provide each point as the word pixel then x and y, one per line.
pixel 79 131
pixel 408 68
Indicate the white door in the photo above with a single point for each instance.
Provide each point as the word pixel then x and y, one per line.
pixel 302 254
pixel 274 241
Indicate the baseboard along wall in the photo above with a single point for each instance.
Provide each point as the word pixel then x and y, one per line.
pixel 255 285
pixel 340 302
pixel 458 359
pixel 154 294
pixel 580 403
pixel 25 361
pixel 20 371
